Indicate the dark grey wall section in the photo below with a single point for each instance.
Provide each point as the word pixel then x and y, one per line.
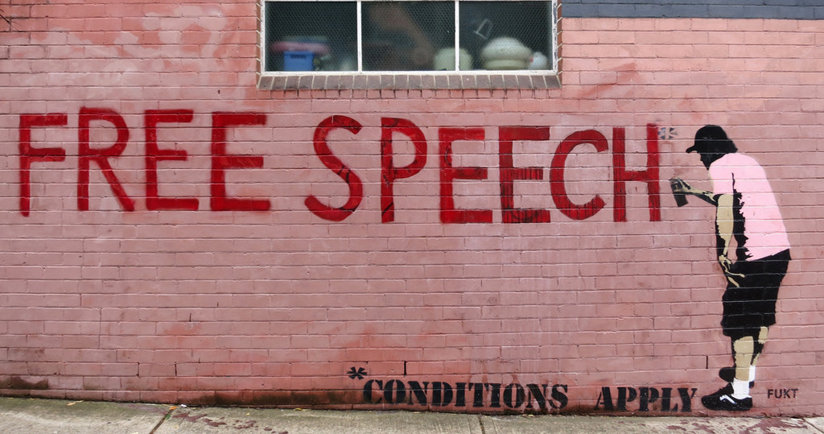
pixel 775 9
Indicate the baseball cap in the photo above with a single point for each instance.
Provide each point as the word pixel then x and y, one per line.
pixel 706 136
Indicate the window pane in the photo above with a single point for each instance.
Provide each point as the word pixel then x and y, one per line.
pixel 507 35
pixel 311 36
pixel 407 36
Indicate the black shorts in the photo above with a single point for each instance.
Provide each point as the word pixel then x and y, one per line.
pixel 752 305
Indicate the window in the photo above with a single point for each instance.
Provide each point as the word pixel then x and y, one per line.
pixel 414 43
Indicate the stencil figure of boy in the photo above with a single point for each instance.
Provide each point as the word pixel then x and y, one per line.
pixel 747 212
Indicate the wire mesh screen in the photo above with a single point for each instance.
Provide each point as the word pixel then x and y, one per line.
pixel 408 35
pixel 311 36
pixel 507 35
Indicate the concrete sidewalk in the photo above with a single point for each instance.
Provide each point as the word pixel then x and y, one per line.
pixel 28 415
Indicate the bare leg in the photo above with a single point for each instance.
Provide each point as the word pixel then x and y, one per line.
pixel 759 345
pixel 736 395
pixel 743 354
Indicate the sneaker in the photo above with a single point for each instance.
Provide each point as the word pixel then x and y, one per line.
pixel 724 401
pixel 728 374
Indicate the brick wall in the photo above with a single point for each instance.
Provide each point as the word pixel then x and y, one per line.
pixel 239 292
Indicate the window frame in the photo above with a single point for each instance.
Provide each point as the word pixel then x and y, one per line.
pixel 474 79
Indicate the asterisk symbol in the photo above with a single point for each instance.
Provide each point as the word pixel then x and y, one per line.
pixel 356 373
pixel 667 133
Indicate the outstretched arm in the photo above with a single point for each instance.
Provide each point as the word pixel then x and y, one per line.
pixel 681 186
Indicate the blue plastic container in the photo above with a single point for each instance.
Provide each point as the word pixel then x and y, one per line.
pixel 298 61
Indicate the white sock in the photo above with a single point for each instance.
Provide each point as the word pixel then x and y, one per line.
pixel 752 373
pixel 740 389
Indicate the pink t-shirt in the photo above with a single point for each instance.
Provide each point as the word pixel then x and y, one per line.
pixel 763 231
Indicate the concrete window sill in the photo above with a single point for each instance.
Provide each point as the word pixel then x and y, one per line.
pixel 492 80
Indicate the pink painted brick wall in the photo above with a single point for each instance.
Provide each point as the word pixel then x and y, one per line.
pixel 275 306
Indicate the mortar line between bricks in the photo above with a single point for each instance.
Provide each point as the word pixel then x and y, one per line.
pixel 164 418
